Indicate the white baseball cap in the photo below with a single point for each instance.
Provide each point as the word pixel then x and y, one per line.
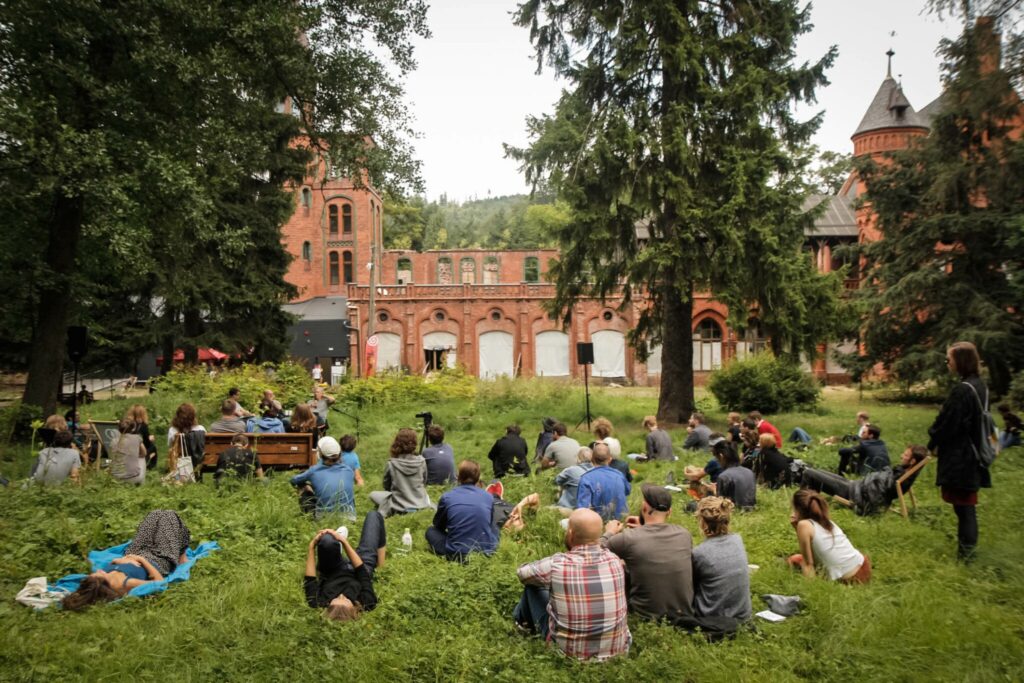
pixel 328 447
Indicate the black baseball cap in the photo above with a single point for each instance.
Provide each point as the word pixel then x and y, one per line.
pixel 658 497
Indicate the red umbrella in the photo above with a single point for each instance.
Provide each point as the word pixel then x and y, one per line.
pixel 205 355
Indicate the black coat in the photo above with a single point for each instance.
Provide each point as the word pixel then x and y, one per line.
pixel 957 426
pixel 509 452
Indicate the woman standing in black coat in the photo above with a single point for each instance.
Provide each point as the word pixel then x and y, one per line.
pixel 955 436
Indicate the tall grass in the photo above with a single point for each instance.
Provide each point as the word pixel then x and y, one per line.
pixel 242 615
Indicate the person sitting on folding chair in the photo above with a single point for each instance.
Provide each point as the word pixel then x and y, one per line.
pixel 884 481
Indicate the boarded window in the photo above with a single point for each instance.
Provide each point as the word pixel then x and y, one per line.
pixel 467 271
pixel 491 270
pixel 444 271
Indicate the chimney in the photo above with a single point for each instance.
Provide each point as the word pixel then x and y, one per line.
pixel 989 44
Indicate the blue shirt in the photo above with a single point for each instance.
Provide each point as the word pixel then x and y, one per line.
pixel 440 464
pixel 604 491
pixel 713 469
pixel 265 425
pixel 569 480
pixel 333 486
pixel 464 514
pixel 351 459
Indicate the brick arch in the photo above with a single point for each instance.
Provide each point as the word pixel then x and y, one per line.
pixel 717 316
pixel 595 321
pixel 427 317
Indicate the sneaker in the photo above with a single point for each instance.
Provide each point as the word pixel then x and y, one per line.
pixel 496 489
pixel 524 629
pixel 343 531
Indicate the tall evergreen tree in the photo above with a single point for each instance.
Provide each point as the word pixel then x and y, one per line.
pixel 135 127
pixel 950 263
pixel 678 116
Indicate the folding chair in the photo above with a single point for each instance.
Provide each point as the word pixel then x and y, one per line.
pixel 900 495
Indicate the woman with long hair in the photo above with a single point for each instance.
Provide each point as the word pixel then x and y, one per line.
pixel 303 421
pixel 138 414
pixel 405 478
pixel 128 454
pixel 156 550
pixel 186 439
pixel 955 438
pixel 822 541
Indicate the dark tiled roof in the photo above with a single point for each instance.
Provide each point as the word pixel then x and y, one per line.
pixel 890 109
pixel 930 110
pixel 836 220
pixel 320 308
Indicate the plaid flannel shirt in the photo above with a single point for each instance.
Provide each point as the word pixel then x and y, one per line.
pixel 587 610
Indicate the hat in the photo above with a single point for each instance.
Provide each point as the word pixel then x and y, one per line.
pixel 329 447
pixel 715 439
pixel 549 423
pixel 658 497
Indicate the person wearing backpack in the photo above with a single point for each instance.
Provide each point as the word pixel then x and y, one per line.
pixel 956 438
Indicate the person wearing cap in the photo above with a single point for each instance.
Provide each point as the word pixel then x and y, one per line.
pixel 577 599
pixel 328 485
pixel 603 489
pixel 697 434
pixel 658 557
pixel 464 521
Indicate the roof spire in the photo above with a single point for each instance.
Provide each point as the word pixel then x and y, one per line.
pixel 888 70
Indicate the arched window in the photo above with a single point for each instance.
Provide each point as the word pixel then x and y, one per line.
pixel 491 270
pixel 332 219
pixel 346 258
pixel 707 345
pixel 753 340
pixel 404 271
pixel 307 251
pixel 444 271
pixel 346 218
pixel 531 269
pixel 333 259
pixel 307 199
pixel 467 271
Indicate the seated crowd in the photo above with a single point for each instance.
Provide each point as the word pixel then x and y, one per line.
pixel 615 563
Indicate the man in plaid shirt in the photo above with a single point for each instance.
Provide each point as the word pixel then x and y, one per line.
pixel 578 598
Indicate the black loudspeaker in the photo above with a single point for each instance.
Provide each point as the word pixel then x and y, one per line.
pixel 585 353
pixel 78 343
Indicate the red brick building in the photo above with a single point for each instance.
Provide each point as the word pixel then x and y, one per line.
pixel 485 309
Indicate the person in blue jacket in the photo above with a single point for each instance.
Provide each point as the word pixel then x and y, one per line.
pixel 603 489
pixel 464 521
pixel 328 485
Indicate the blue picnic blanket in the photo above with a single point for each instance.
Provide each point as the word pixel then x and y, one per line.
pixel 101 558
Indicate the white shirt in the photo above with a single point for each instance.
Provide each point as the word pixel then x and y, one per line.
pixel 834 551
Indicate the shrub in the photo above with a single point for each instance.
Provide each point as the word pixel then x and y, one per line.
pixel 1016 395
pixel 763 382
pixel 391 388
pixel 290 382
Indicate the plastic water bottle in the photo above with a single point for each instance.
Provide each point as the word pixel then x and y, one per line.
pixel 406 541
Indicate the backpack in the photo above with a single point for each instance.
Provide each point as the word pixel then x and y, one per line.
pixel 986 450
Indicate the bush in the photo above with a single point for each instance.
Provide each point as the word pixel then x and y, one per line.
pixel 390 388
pixel 765 383
pixel 290 382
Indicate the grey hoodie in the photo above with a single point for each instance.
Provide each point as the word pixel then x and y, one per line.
pixel 406 478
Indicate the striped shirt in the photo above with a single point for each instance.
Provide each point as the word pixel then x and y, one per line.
pixel 587 610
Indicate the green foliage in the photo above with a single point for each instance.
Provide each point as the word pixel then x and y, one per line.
pixel 242 616
pixel 765 383
pixel 391 388
pixel 290 383
pixel 1016 394
pixel 677 118
pixel 950 264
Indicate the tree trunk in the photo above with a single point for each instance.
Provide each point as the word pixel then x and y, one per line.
pixel 193 328
pixel 167 342
pixel 675 399
pixel 46 362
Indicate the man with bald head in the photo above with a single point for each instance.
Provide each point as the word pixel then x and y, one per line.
pixel 577 598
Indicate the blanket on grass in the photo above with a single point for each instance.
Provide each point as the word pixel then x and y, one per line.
pixel 101 558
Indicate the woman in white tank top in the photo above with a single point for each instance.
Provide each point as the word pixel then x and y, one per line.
pixel 823 542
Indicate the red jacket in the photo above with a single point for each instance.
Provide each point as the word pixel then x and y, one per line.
pixel 767 427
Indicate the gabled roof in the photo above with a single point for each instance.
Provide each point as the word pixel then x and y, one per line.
pixel 930 110
pixel 838 218
pixel 890 109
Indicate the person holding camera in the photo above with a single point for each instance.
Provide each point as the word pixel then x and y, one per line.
pixel 657 556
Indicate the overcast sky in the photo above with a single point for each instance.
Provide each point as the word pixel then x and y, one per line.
pixel 476 84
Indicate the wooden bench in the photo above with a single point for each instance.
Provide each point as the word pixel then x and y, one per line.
pixel 275 451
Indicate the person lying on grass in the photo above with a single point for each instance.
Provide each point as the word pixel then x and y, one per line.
pixel 343 585
pixel 823 541
pixel 156 550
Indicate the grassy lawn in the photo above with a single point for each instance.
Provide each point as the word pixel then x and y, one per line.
pixel 242 615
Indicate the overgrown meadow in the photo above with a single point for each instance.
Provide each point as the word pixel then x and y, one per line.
pixel 242 615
